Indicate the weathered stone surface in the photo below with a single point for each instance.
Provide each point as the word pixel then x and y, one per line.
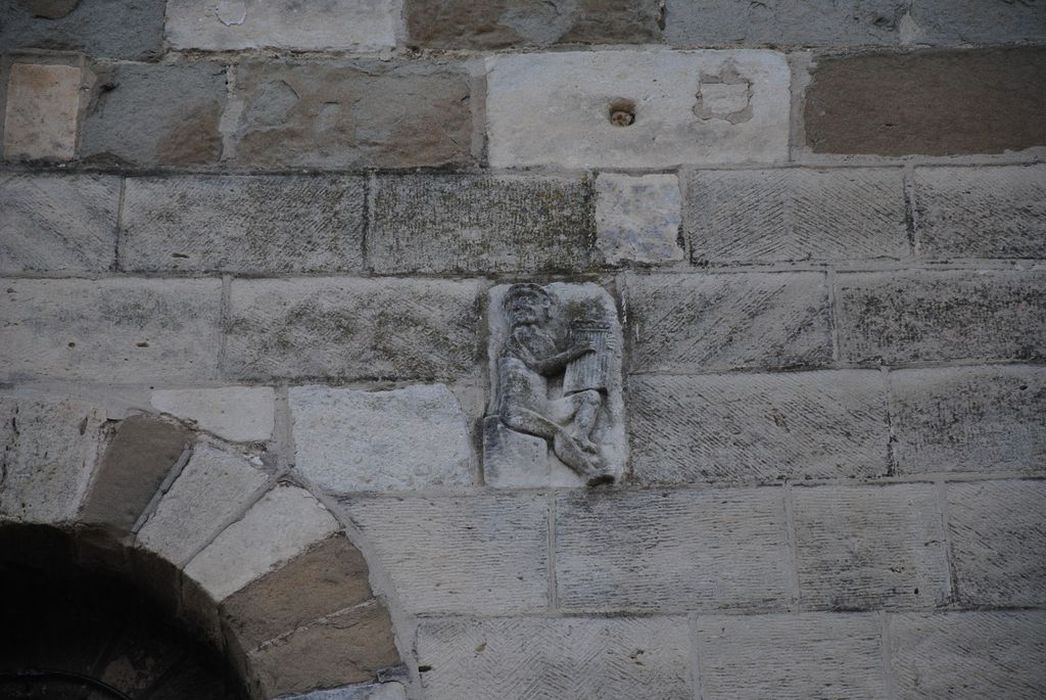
pixel 48 452
pixel 765 216
pixel 235 413
pixel 638 218
pixel 462 24
pixel 758 427
pixel 870 547
pixel 483 553
pixel 998 534
pixel 366 691
pixel 472 223
pixel 212 488
pixel 969 419
pixel 576 657
pixel 359 114
pixel 352 440
pixel 789 656
pixel 352 328
pixel 968 655
pixel 279 527
pixel 111 28
pixel 981 212
pixel 58 223
pixel 348 25
pixel 682 550
pixel 701 107
pixel 933 316
pixel 110 330
pixel 688 323
pixel 43 103
pixel 977 22
pixel 934 103
pixel 153 114
pixel 243 224
pixel 512 459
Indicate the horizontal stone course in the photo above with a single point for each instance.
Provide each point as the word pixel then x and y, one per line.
pixel 91 27
pixel 976 22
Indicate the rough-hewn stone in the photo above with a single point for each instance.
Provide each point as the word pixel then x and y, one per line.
pixel 391 690
pixel 977 22
pixel 683 550
pixel 933 103
pixel 352 328
pixel 576 657
pixel 483 553
pixel 699 107
pixel 471 223
pixel 870 547
pixel 43 104
pixel 765 216
pixel 789 656
pixel 130 29
pixel 932 316
pixel 638 218
pixel 122 330
pixel 998 535
pixel 58 223
pixel 969 419
pixel 689 323
pixel 360 114
pixel 981 212
pixel 758 427
pixel 243 224
pixel 235 413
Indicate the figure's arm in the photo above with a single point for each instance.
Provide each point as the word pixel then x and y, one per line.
pixel 551 365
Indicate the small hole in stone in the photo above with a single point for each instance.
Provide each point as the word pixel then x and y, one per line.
pixel 622 112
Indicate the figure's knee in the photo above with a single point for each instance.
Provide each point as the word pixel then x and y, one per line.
pixel 590 397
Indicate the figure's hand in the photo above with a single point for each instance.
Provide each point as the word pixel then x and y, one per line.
pixel 583 348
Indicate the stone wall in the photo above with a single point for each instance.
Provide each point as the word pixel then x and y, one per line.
pixel 822 224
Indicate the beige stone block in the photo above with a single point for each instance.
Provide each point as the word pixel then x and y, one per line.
pixel 43 102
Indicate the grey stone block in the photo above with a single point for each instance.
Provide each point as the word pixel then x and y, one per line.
pixel 977 22
pixel 765 216
pixel 575 657
pixel 998 535
pixel 668 551
pixel 758 427
pixel 352 328
pixel 789 656
pixel 122 330
pixel 870 547
pixel 485 553
pixel 638 218
pixel 968 655
pixel 691 323
pixel 995 212
pixel 969 419
pixel 130 29
pixel 470 223
pixel 58 223
pixel 924 316
pixel 243 224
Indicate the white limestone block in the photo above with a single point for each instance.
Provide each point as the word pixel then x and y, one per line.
pixel 638 218
pixel 236 413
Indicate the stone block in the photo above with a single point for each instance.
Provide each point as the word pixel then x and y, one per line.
pixel 924 316
pixel 210 491
pixel 975 22
pixel 998 534
pixel 485 553
pixel 637 109
pixel 43 105
pixel 789 656
pixel 786 215
pixel 638 218
pixel 352 440
pixel 758 427
pixel 352 328
pixel 989 654
pixel 574 657
pixel 474 223
pixel 243 224
pixel 931 103
pixel 233 413
pixel 981 212
pixel 280 526
pixel 870 547
pixel 122 330
pixel 699 323
pixel 385 114
pixel 338 25
pixel 669 551
pixel 969 419
pixel 517 460
pixel 125 29
pixel 367 691
pixel 150 114
pixel 61 223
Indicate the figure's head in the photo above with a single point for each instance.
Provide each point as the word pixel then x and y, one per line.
pixel 526 304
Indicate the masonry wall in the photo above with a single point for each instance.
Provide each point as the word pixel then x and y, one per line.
pixel 824 227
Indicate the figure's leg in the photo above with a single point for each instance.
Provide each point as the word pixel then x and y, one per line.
pixel 566 447
pixel 524 420
pixel 580 411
